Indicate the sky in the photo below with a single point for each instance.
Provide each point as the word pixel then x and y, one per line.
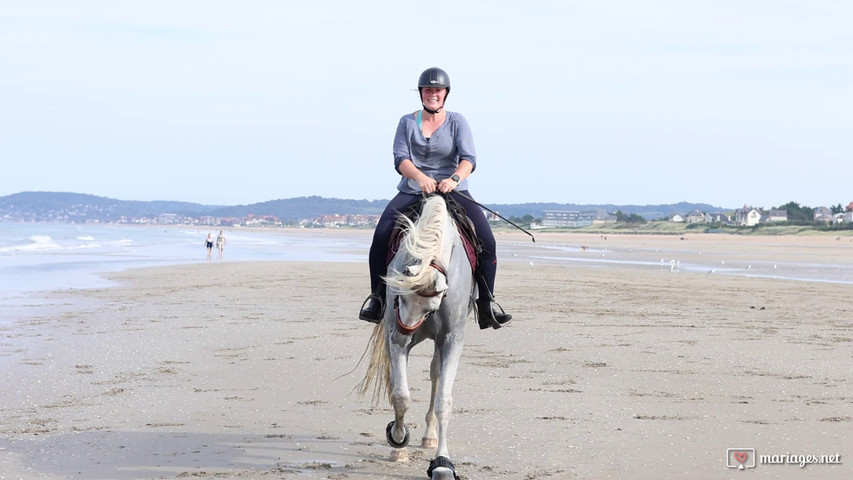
pixel 725 102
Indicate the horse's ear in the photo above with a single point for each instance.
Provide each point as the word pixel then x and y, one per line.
pixel 440 282
pixel 412 270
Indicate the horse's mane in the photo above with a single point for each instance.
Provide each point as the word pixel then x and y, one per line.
pixel 420 246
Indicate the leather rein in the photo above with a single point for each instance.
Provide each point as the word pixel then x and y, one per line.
pixel 408 330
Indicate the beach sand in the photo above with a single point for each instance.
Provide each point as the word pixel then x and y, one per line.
pixel 247 370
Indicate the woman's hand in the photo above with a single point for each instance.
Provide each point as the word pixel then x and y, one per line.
pixel 447 185
pixel 427 184
pixel 410 171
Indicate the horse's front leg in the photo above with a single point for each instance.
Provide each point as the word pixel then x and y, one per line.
pixel 450 353
pixel 397 433
pixel 430 438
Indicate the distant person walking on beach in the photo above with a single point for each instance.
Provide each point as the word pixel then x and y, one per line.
pixel 209 244
pixel 220 243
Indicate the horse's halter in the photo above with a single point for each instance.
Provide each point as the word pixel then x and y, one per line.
pixel 402 327
pixel 434 264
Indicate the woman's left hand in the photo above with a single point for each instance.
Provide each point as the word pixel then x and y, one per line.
pixel 447 185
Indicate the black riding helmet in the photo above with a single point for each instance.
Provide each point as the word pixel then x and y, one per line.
pixel 434 77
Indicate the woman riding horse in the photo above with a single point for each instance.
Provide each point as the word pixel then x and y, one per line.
pixel 434 150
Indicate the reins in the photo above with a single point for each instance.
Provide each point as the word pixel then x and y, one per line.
pixel 495 213
pixel 402 327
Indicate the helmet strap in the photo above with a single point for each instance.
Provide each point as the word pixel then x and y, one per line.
pixel 433 112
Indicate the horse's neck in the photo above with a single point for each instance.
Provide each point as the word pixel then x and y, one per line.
pixel 448 240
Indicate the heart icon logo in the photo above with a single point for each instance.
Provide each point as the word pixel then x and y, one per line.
pixel 740 458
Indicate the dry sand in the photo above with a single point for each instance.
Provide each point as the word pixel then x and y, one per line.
pixel 245 370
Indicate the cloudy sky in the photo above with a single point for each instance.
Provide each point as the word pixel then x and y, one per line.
pixel 727 102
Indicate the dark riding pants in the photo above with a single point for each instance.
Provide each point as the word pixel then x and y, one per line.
pixel 487 261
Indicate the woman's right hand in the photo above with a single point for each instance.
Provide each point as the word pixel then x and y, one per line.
pixel 427 184
pixel 410 171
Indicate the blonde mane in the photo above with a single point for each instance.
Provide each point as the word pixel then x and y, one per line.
pixel 421 245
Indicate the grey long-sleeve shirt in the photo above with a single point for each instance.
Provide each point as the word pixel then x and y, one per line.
pixel 437 156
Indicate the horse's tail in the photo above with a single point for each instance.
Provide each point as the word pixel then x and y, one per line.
pixel 378 373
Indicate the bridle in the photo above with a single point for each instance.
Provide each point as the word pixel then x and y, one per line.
pixel 408 330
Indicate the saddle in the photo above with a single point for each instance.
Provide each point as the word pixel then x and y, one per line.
pixel 464 226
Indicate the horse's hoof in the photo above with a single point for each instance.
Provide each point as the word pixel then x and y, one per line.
pixel 441 468
pixel 429 442
pixel 400 455
pixel 390 437
pixel 444 474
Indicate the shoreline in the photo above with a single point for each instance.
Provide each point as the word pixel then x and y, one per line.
pixel 796 258
pixel 241 370
pixel 498 229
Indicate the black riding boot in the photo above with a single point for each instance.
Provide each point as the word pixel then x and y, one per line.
pixel 490 316
pixel 373 308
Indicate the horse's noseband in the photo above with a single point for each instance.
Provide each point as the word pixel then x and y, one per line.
pixel 402 327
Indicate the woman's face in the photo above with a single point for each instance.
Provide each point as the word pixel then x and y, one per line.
pixel 433 97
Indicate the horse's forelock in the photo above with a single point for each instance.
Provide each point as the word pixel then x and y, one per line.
pixel 421 245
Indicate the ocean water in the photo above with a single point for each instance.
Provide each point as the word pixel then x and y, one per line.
pixel 38 257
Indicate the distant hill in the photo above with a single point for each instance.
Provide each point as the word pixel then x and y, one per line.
pixel 294 209
pixel 42 201
pixel 649 212
pixel 76 207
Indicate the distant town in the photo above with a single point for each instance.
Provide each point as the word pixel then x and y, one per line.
pixel 314 212
pixel 92 214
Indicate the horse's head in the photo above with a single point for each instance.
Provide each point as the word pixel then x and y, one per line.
pixel 417 303
pixel 416 275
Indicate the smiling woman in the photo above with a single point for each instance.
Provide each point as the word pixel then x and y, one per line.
pixel 434 152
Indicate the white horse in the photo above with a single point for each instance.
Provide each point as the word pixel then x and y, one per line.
pixel 431 289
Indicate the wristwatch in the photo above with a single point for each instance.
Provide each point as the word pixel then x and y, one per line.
pixel 455 178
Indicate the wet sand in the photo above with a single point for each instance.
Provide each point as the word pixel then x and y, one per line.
pixel 246 370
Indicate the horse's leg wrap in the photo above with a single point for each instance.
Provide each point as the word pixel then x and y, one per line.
pixel 390 437
pixel 441 462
